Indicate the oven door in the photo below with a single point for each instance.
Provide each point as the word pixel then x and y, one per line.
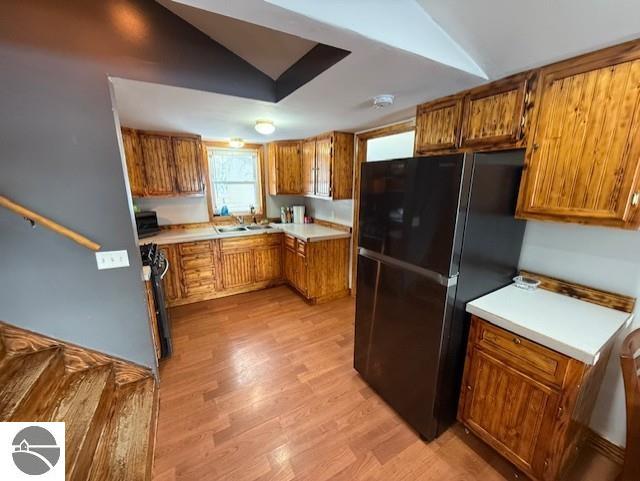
pixel 162 313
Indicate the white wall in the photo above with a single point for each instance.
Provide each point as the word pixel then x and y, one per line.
pixel 603 258
pixel 391 147
pixel 339 211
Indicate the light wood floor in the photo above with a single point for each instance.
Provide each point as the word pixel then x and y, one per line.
pixel 261 387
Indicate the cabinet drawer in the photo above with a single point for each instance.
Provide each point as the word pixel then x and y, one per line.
pixel 198 289
pixel 196 261
pixel 248 242
pixel 521 354
pixel 302 247
pixel 289 241
pixel 188 248
pixel 198 276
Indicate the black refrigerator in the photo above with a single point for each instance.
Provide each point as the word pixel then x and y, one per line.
pixel 434 233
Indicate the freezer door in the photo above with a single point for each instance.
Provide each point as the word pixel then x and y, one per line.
pixel 409 210
pixel 400 317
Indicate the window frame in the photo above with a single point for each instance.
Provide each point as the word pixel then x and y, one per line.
pixel 209 145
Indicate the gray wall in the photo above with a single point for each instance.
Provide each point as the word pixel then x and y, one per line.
pixel 600 257
pixel 60 156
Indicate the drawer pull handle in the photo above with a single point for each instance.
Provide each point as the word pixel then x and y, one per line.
pixel 517 340
pixel 469 388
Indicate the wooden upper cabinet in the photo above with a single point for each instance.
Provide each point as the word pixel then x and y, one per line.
pixel 497 114
pixel 327 165
pixel 324 161
pixel 187 153
pixel 309 166
pixel 438 125
pixel 158 164
pixel 584 152
pixel 133 158
pixel 163 164
pixel 285 167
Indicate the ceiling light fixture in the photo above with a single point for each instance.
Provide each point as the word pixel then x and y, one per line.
pixel 236 143
pixel 265 127
pixel 382 101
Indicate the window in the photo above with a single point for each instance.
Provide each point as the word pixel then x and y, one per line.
pixel 235 181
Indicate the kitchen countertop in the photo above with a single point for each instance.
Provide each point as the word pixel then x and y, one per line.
pixel 305 232
pixel 573 327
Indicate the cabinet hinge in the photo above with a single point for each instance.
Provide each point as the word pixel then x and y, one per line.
pixel 635 199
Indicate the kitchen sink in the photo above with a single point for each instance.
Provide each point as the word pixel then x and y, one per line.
pixel 233 228
pixel 258 227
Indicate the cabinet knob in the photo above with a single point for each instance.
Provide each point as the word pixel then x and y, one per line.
pixel 635 199
pixel 516 340
pixel 536 146
pixel 469 387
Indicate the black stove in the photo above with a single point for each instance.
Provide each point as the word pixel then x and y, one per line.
pixel 153 257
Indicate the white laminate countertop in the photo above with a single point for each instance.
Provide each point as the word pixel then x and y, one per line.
pixel 305 232
pixel 576 328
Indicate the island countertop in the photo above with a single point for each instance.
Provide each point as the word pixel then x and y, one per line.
pixel 304 232
pixel 573 327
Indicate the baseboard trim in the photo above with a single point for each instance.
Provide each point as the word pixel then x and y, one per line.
pixel 605 447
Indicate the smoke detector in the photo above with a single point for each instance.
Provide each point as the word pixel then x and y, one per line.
pixel 382 101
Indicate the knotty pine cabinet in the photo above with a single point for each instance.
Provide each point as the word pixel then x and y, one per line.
pixel 528 402
pixel 438 125
pixel 317 270
pixel 583 156
pixel 284 159
pixel 323 165
pixel 494 116
pixel 162 165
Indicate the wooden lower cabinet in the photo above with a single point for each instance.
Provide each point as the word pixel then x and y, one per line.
pixel 528 402
pixel 209 269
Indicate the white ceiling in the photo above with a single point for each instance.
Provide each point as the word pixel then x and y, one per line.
pixel 500 36
pixel 268 50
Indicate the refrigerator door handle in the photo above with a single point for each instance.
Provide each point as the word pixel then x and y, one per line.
pixel 434 276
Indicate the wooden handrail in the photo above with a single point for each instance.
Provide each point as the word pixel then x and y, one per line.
pixel 48 223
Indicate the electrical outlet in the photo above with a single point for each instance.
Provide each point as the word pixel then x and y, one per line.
pixel 112 259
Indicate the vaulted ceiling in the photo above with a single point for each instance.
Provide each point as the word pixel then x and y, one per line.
pixel 415 49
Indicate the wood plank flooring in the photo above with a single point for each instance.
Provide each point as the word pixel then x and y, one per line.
pixel 261 387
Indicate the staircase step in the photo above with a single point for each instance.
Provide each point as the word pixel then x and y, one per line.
pixel 34 374
pixel 124 447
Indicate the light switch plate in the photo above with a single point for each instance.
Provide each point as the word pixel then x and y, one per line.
pixel 112 259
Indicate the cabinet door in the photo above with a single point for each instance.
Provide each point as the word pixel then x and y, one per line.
pixel 495 114
pixel 237 269
pixel 133 157
pixel 438 125
pixel 309 167
pixel 172 280
pixel 158 164
pixel 187 154
pixel 300 273
pixel 324 153
pixel 507 409
pixel 584 153
pixel 268 262
pixel 289 168
pixel 289 265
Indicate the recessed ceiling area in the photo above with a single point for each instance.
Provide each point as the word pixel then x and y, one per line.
pixel 463 43
pixel 269 50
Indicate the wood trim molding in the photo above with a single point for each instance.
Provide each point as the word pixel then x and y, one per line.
pixel 589 294
pixel 359 158
pixel 605 447
pixel 76 358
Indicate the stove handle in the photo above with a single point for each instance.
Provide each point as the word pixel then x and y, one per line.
pixel 166 268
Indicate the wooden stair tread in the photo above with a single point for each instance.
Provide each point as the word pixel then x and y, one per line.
pixel 123 450
pixel 35 373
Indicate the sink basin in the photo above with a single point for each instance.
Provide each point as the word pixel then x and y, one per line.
pixel 258 227
pixel 233 228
